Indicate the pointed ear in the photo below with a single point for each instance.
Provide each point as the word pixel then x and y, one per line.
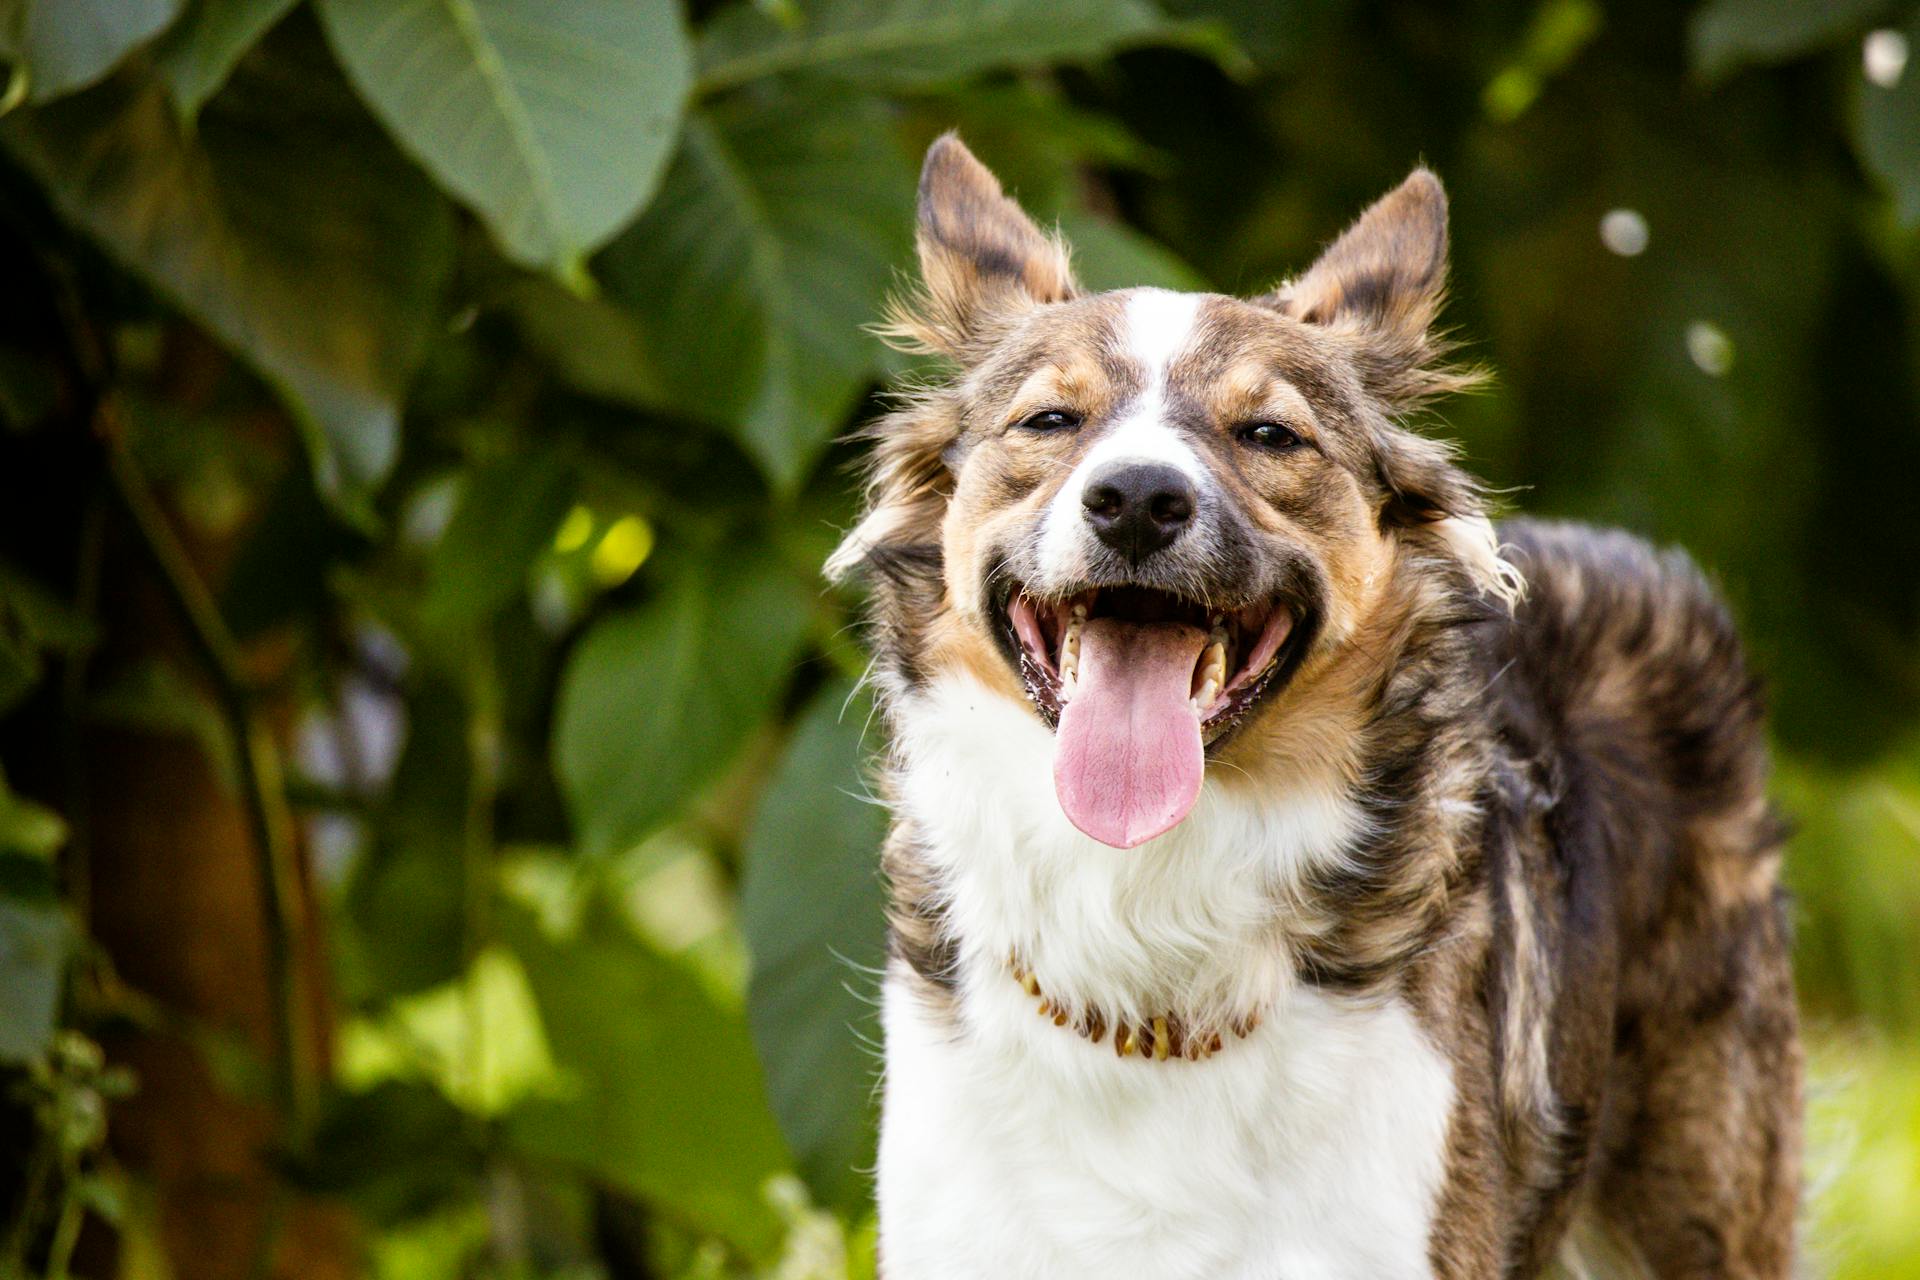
pixel 1382 282
pixel 982 259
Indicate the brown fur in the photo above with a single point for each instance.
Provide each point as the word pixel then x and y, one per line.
pixel 1570 865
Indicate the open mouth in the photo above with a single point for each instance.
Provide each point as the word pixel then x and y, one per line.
pixel 1139 682
pixel 1238 653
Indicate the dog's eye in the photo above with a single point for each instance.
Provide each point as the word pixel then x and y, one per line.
pixel 1270 435
pixel 1050 420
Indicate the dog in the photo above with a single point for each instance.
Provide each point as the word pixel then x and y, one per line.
pixel 1291 873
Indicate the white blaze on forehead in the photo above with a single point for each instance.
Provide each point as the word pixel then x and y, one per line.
pixel 1158 326
pixel 1156 329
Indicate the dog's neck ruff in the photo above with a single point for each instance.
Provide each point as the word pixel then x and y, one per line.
pixel 1160 1038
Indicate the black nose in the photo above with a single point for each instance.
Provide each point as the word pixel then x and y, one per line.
pixel 1138 507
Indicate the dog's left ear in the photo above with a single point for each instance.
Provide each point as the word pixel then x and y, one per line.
pixel 1382 283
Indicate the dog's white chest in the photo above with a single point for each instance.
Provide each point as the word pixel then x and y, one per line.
pixel 1315 1148
pixel 1010 1147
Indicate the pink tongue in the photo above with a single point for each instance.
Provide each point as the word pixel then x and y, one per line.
pixel 1128 760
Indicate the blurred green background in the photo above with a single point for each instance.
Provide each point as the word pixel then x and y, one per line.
pixel 432 833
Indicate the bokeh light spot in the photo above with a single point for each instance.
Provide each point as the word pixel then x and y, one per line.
pixel 574 531
pixel 1624 231
pixel 1883 56
pixel 622 549
pixel 1710 349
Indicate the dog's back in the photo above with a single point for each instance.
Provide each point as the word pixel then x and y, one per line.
pixel 1636 729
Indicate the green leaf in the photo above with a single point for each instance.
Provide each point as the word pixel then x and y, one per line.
pixel 909 43
pixel 405 905
pixel 666 1100
pixel 551 118
pixel 64 45
pixel 1725 35
pixel 508 511
pixel 198 55
pixel 1886 132
pixel 812 909
pixel 1111 255
pixel 152 695
pixel 288 229
pixel 772 241
pixel 33 622
pixel 28 829
pixel 596 346
pixel 655 700
pixel 33 953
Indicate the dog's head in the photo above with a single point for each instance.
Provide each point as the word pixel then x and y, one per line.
pixel 1152 513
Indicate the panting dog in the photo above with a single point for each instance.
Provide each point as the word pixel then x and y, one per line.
pixel 1293 875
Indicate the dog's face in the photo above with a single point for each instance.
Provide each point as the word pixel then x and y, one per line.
pixel 1156 512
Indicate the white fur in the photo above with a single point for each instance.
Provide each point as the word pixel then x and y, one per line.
pixel 1473 540
pixel 1011 1147
pixel 1159 324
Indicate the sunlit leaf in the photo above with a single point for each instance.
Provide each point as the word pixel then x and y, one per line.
pixel 665 1100
pixel 771 243
pixel 1887 133
pixel 199 53
pixel 656 699
pixel 288 229
pixel 65 45
pixel 916 42
pixel 33 951
pixel 552 118
pixel 812 909
pixel 1725 35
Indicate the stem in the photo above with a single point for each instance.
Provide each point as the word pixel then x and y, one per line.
pixel 77 859
pixel 483 794
pixel 66 1230
pixel 262 788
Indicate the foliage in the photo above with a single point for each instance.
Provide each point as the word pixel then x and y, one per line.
pixel 468 375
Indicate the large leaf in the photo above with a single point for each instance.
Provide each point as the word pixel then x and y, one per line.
pixel 64 45
pixel 770 244
pixel 655 700
pixel 665 1099
pixel 551 118
pixel 289 230
pixel 509 508
pixel 812 908
pixel 1725 35
pixel 1887 133
pixel 33 952
pixel 198 55
pixel 1111 255
pixel 905 43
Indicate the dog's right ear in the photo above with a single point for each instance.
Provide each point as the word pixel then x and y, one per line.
pixel 983 261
